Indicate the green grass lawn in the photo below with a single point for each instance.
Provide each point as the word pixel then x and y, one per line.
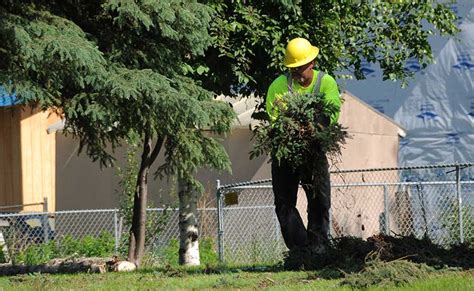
pixel 228 279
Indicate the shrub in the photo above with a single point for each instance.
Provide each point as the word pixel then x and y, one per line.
pixel 101 246
pixel 37 254
pixel 207 251
pixel 3 257
pixel 88 246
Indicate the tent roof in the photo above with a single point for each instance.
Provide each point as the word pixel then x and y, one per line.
pixel 245 106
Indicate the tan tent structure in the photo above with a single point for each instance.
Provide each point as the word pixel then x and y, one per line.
pixel 75 182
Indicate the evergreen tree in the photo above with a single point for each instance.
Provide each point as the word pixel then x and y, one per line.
pixel 114 69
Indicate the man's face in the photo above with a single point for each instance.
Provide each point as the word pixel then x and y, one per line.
pixel 302 73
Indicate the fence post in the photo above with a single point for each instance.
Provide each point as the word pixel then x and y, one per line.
pixel 386 209
pixel 220 223
pixel 46 226
pixel 458 192
pixel 277 225
pixel 331 227
pixel 116 231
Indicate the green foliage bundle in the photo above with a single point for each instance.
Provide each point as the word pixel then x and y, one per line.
pixel 301 131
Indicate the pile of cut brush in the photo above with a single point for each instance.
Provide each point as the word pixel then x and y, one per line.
pixel 350 254
pixel 301 130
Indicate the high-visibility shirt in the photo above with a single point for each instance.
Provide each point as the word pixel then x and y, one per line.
pixel 279 90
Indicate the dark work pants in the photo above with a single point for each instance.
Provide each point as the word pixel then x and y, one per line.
pixel 316 184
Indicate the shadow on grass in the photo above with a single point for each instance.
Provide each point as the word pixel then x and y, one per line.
pixel 181 271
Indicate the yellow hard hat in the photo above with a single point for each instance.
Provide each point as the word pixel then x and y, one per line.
pixel 299 51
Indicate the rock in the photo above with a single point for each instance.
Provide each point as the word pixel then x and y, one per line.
pixel 124 266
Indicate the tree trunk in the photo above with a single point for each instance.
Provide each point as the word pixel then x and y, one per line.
pixel 137 231
pixel 136 245
pixel 188 228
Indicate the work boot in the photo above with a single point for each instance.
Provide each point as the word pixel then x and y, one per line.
pixel 320 249
pixel 318 244
pixel 297 259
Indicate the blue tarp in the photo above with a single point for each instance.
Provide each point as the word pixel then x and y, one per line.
pixel 7 99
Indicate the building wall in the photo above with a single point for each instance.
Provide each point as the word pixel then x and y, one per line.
pixel 80 183
pixel 27 167
pixel 10 157
pixel 38 149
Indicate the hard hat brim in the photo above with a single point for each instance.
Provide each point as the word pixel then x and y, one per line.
pixel 311 56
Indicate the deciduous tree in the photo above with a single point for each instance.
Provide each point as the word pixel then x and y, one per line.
pixel 250 38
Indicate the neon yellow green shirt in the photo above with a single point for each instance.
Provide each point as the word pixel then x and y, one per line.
pixel 279 89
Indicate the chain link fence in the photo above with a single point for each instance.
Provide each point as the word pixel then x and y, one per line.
pixel 436 202
pixel 18 231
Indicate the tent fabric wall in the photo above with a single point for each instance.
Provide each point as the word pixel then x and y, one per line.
pixel 437 108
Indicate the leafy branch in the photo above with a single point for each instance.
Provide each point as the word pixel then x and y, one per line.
pixel 301 132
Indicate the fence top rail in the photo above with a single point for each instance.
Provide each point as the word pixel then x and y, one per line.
pixel 247 183
pixel 342 185
pixel 80 211
pixel 421 167
pixel 21 205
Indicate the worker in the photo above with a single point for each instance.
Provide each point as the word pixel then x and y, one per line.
pixel 303 78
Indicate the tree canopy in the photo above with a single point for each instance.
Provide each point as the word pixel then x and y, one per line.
pixel 250 38
pixel 114 69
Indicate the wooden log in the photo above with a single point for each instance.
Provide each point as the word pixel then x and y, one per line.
pixel 60 266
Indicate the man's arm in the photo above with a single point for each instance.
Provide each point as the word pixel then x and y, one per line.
pixel 276 90
pixel 331 91
pixel 272 114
